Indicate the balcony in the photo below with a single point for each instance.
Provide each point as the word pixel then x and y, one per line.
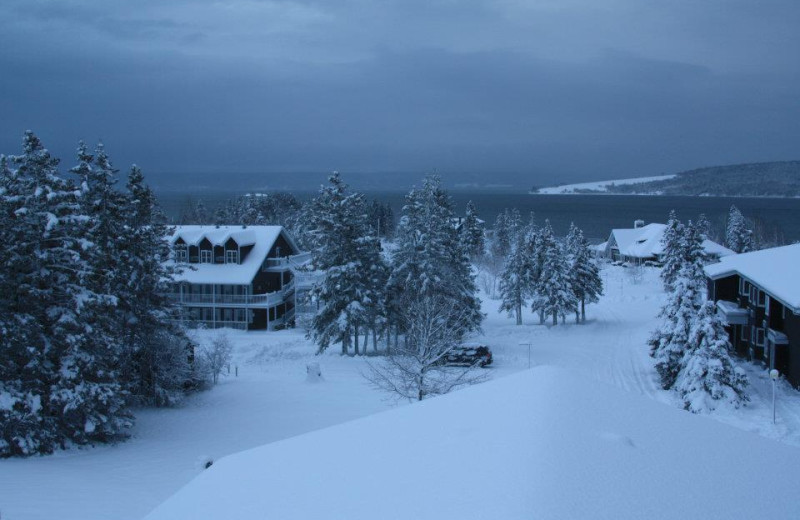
pixel 731 313
pixel 288 262
pixel 231 300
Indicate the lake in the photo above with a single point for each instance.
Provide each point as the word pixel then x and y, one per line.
pixel 595 214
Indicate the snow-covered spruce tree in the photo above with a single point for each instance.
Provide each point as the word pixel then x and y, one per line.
pixel 429 259
pixel 62 377
pixel 535 241
pixel 351 293
pixel 517 280
pixel 433 327
pixel 673 242
pixel 472 236
pixel 738 237
pixel 555 283
pixel 708 374
pixel 587 284
pixel 156 352
pixel 670 341
pixel 501 242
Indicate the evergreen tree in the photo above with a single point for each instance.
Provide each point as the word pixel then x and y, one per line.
pixel 501 238
pixel 63 376
pixel 555 284
pixel 157 353
pixel 429 258
pixel 738 237
pixel 587 284
pixel 472 235
pixel 516 280
pixel 670 342
pixel 673 250
pixel 351 294
pixel 708 373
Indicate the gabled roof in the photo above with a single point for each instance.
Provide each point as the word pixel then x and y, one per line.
pixel 261 238
pixel 775 270
pixel 647 242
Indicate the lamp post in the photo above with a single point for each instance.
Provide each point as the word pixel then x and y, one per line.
pixel 529 352
pixel 773 374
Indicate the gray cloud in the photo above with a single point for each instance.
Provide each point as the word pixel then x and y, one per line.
pixel 565 89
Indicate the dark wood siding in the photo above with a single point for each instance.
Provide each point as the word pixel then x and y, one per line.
pixel 726 289
pixel 245 251
pixel 285 248
pixel 265 282
pixel 791 327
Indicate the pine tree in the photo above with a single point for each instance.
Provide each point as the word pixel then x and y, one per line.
pixel 501 239
pixel 516 280
pixel 555 286
pixel 351 294
pixel 472 236
pixel 708 373
pixel 738 237
pixel 587 284
pixel 673 250
pixel 670 341
pixel 66 381
pixel 429 258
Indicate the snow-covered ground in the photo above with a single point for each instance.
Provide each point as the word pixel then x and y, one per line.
pixel 597 187
pixel 271 400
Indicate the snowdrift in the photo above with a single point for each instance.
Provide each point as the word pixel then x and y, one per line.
pixel 541 444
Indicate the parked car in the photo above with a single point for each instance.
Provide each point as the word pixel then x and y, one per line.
pixel 469 355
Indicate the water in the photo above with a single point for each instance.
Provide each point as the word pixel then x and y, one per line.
pixel 595 214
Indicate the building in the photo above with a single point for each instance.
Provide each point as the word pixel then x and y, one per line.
pixel 758 296
pixel 643 243
pixel 242 277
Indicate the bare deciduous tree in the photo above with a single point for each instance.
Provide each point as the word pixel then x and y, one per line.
pixel 217 356
pixel 434 327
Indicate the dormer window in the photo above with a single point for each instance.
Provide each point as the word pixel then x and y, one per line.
pixel 206 256
pixel 231 257
pixel 181 253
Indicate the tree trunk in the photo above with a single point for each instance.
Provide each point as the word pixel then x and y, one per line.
pixel 345 341
pixel 366 340
pixel 541 317
pixel 555 317
pixel 375 340
pixel 583 310
pixel 577 316
pixel 519 314
pixel 355 334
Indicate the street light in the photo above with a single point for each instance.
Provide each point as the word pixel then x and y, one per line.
pixel 529 352
pixel 773 374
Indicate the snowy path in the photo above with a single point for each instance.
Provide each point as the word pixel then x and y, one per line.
pixel 270 400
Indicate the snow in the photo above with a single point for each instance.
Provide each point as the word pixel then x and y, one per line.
pixel 597 187
pixel 263 237
pixel 592 385
pixel 775 270
pixel 647 242
pixel 562 447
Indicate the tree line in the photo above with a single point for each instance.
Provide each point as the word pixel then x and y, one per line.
pixel 85 330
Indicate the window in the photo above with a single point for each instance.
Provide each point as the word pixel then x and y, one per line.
pixel 766 305
pixel 759 337
pixel 753 293
pixel 743 333
pixel 231 257
pixel 762 298
pixel 206 256
pixel 181 254
pixel 741 286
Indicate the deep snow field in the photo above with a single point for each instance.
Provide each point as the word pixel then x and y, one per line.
pixel 271 400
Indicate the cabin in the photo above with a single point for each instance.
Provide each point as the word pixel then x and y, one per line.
pixel 241 277
pixel 758 296
pixel 643 243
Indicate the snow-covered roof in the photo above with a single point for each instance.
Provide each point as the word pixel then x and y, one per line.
pixel 775 270
pixel 647 242
pixel 260 237
pixel 599 247
pixel 565 446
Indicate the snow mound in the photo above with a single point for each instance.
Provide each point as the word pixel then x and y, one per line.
pixel 540 444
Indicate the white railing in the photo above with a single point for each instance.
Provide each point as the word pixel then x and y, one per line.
pixel 267 299
pixel 289 261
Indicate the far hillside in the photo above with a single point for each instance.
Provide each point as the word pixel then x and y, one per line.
pixel 768 179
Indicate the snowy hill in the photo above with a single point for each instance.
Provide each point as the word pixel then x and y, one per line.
pixel 541 444
pixel 597 187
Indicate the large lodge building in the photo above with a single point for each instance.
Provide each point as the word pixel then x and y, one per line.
pixel 242 277
pixel 758 295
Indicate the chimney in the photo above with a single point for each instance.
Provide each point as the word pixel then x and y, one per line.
pixel 638 223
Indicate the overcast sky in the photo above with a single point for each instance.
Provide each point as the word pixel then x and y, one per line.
pixel 571 89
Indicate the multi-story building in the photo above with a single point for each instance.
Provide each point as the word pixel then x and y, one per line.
pixel 758 296
pixel 643 243
pixel 236 276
